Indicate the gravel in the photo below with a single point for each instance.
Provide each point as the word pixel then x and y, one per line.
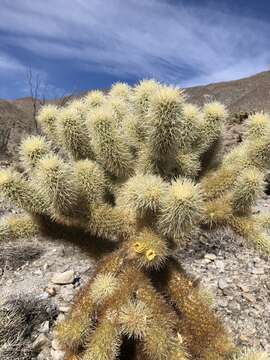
pixel 239 280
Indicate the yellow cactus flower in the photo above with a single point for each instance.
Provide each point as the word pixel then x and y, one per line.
pixel 150 254
pixel 139 247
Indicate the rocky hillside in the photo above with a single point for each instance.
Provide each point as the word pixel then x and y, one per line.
pixel 248 94
pixel 14 123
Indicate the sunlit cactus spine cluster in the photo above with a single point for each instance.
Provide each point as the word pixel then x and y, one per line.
pixel 138 171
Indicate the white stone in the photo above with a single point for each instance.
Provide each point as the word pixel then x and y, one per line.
pixel 44 327
pixel 211 257
pixel 40 342
pixel 64 278
pixel 57 354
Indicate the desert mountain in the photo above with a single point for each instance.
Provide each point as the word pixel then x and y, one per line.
pixel 14 123
pixel 248 94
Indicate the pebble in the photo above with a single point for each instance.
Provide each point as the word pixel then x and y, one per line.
pixel 43 296
pixel 64 309
pixel 38 272
pixel 61 317
pixel 220 265
pixel 67 294
pixel 66 277
pixel 228 291
pixel 57 354
pixel 257 271
pixel 44 354
pixel 249 297
pixel 223 302
pixel 51 291
pixel 222 284
pixel 40 342
pixel 244 288
pixel 44 327
pixel 211 257
pixel 243 338
pixel 234 306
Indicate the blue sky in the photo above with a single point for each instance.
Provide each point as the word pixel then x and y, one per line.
pixel 77 45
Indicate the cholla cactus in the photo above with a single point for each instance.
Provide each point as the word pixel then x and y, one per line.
pixel 139 167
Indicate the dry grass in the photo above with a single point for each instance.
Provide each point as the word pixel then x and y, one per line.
pixel 15 255
pixel 19 318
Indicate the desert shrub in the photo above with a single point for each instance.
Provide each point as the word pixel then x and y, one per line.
pixel 4 139
pixel 20 316
pixel 15 255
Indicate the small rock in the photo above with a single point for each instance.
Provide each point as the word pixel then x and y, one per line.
pixel 67 294
pixel 69 286
pixel 257 271
pixel 243 339
pixel 223 302
pixel 43 296
pixel 61 317
pixel 265 344
pixel 249 297
pixel 220 264
pixel 251 331
pixel 44 327
pixel 40 342
pixel 64 278
pixel 244 288
pixel 64 309
pixel 57 354
pixel 51 291
pixel 44 354
pixel 37 272
pixel 211 257
pixel 222 284
pixel 205 262
pixel 227 291
pixel 234 306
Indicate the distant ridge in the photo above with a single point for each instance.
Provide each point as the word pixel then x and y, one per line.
pixel 247 94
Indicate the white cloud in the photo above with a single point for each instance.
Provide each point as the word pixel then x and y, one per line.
pixel 8 63
pixel 141 38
